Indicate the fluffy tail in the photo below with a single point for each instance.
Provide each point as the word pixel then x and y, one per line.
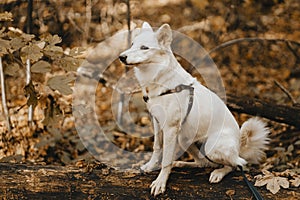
pixel 254 140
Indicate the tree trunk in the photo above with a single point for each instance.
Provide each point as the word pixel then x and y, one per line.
pixel 56 182
pixel 279 113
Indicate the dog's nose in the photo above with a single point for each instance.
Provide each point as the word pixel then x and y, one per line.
pixel 123 59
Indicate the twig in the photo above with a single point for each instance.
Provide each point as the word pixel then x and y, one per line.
pixel 290 96
pixel 69 16
pixel 235 41
pixel 128 23
pixel 122 97
pixel 29 16
pixel 4 105
pixel 289 45
pixel 28 74
pixel 28 79
pixel 88 16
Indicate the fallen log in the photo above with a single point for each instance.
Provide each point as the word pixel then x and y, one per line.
pixel 280 113
pixel 20 181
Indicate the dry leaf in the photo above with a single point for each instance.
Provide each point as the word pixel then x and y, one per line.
pixel 61 83
pixel 27 37
pixel 230 193
pixel 16 44
pixel 295 182
pixel 4 46
pixel 12 69
pixel 69 63
pixel 273 182
pixel 77 51
pixel 53 39
pixel 31 94
pixel 6 16
pixel 54 52
pixel 41 67
pixel 32 52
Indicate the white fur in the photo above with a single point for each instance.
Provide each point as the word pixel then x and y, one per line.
pixel 210 121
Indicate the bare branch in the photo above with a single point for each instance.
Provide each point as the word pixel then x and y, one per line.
pixel 88 17
pixel 240 40
pixel 290 96
pixel 122 98
pixel 28 79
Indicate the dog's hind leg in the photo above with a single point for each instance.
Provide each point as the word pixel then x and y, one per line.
pixel 157 149
pixel 169 146
pixel 199 159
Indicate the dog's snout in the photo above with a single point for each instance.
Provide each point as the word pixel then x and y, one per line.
pixel 123 59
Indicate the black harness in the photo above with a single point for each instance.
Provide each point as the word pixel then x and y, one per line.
pixel 182 87
pixel 178 89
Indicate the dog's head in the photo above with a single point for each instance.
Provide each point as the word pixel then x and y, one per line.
pixel 148 46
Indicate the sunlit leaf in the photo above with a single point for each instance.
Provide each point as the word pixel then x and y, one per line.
pixel 77 51
pixel 53 39
pixel 32 52
pixel 27 37
pixel 273 186
pixel 295 182
pixel 40 44
pixel 6 16
pixel 15 30
pixel 41 67
pixel 61 83
pixel 273 182
pixel 54 52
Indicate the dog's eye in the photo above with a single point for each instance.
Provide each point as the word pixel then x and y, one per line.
pixel 144 47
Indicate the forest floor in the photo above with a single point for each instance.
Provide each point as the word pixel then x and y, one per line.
pixel 249 69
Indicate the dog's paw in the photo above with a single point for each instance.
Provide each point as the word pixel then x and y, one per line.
pixel 158 186
pixel 149 166
pixel 218 174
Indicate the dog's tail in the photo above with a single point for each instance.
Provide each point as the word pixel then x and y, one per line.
pixel 254 140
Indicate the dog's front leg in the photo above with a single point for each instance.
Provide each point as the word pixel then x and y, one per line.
pixel 169 145
pixel 157 149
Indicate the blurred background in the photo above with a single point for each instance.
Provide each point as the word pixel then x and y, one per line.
pixel 62 32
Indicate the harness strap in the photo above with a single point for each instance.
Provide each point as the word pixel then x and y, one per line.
pixel 254 191
pixel 178 89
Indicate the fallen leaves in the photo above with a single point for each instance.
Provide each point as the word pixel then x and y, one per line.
pixel 6 16
pixel 275 180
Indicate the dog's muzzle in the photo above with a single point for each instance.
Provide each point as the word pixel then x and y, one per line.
pixel 123 59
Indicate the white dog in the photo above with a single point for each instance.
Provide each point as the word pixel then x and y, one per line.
pixel 184 112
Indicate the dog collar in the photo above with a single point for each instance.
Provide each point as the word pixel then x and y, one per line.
pixel 177 89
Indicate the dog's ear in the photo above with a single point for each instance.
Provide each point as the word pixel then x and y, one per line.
pixel 135 32
pixel 164 35
pixel 147 26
